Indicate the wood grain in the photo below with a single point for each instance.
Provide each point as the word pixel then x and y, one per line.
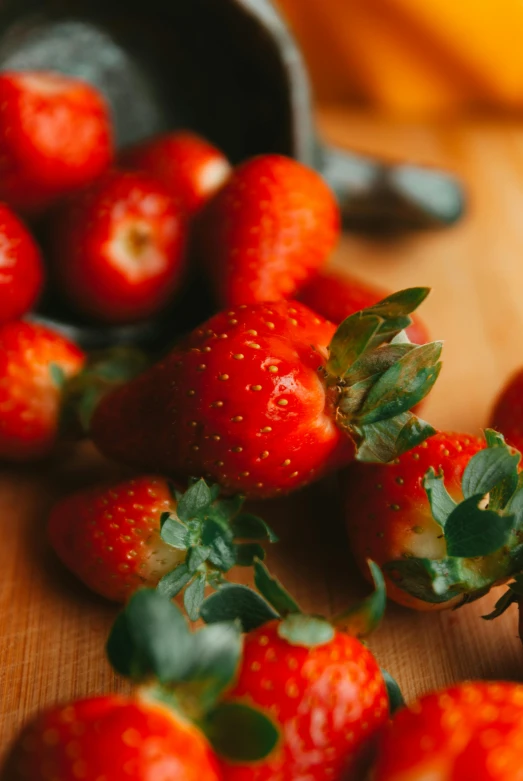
pixel 52 630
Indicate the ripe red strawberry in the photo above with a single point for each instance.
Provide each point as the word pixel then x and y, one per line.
pixel 118 248
pixel 507 415
pixel 21 268
pixel 266 398
pixel 189 167
pixel 329 702
pixel 55 136
pixel 335 296
pixel 111 737
pixel 468 732
pixel 443 521
pixel 268 231
pixel 141 533
pixel 33 362
pixel 320 685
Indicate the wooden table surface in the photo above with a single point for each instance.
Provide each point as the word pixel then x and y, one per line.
pixel 52 630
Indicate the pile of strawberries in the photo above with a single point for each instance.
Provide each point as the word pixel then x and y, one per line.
pixel 296 373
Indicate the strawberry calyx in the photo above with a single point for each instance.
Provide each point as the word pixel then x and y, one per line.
pixel 151 644
pixel 215 535
pixel 483 533
pixel 272 601
pixel 379 376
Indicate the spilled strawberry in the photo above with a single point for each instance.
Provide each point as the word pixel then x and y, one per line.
pixel 167 729
pixel 335 296
pixel 468 732
pixel 142 532
pixel 444 521
pixel 264 399
pixel 268 230
pixel 34 362
pixel 319 683
pixel 118 248
pixel 190 168
pixel 21 267
pixel 55 137
pixel 111 737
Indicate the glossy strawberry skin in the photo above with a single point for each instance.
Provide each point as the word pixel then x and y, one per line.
pixel 190 168
pixel 114 738
pixel 335 296
pixel 469 732
pixel 118 248
pixel 55 137
pixel 21 267
pixel 268 231
pixel 29 396
pixel 507 415
pixel 242 402
pixel 109 537
pixel 329 701
pixel 387 510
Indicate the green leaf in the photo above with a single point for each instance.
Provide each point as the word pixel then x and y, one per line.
pixel 273 591
pixel 364 617
pixel 434 582
pixel 226 509
pixel 240 603
pixel 250 527
pixel 400 304
pixel 219 540
pixel 488 468
pixel 58 376
pixel 247 553
pixel 396 700
pixel 351 339
pixel 196 557
pixel 150 637
pixel 441 503
pixel 471 532
pixel 503 604
pixel 193 597
pixel 173 532
pixel 213 660
pixel 194 501
pixel 377 362
pixel 403 385
pixel 240 733
pixel 172 583
pixel 384 441
pixel 306 631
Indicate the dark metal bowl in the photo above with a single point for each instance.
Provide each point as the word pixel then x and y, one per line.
pixel 228 69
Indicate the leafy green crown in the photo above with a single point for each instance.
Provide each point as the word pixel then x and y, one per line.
pixel 215 535
pixel 380 376
pixel 483 533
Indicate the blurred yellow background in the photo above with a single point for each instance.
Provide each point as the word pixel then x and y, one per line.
pixel 413 57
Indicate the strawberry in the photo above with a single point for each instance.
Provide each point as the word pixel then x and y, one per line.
pixel 118 248
pixel 268 230
pixel 111 737
pixel 55 137
pixel 319 683
pixel 21 267
pixel 336 296
pixel 141 533
pixel 443 521
pixel 264 399
pixel 190 167
pixel 507 415
pixel 34 360
pixel 468 732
